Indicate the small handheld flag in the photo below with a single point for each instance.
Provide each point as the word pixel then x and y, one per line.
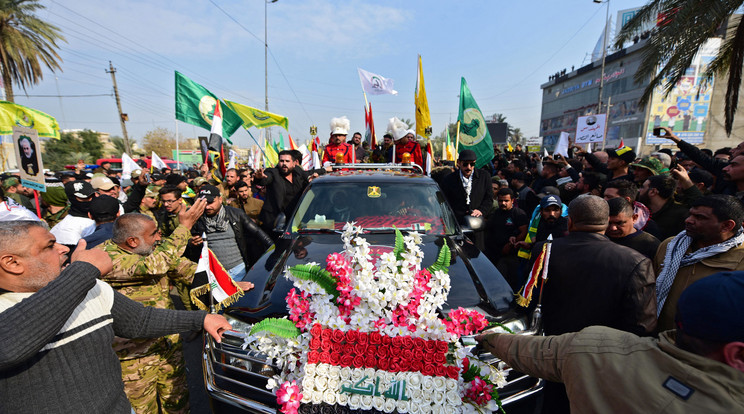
pixel 224 289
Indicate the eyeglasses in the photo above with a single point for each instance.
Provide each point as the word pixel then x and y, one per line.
pixel 468 163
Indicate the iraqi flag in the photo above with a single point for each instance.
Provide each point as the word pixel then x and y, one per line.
pixel 315 152
pixel 370 127
pixel 429 158
pixel 215 137
pixel 224 289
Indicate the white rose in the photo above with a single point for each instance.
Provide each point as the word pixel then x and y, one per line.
pixel 366 402
pixel 453 397
pixel 414 393
pixel 306 396
pixel 357 374
pixel 425 408
pixel 438 397
pixel 321 369
pixel 355 401
pixel 334 384
pixel 308 383
pixel 370 373
pixel 402 406
pixel 436 409
pixel 345 373
pixel 439 384
pixel 342 399
pixel 321 383
pixel 414 408
pixel 310 369
pixel 334 372
pixel 378 403
pixel 329 397
pixel 389 406
pixel 317 397
pixel 451 384
pixel 414 379
pixel 427 384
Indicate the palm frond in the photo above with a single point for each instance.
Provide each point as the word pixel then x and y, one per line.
pixel 316 274
pixel 278 326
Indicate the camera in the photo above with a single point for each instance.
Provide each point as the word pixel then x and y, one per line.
pixel 659 132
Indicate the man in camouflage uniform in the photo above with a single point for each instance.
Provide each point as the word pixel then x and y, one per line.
pixel 150 201
pixel 153 370
pixel 57 206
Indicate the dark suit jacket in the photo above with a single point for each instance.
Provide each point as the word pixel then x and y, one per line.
pixel 276 185
pixel 481 194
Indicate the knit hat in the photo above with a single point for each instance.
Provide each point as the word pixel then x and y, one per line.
pixel 55 196
pixel 711 308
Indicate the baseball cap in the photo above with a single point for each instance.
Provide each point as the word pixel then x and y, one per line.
pixel 467 155
pixel 711 308
pixel 624 153
pixel 157 177
pixel 10 182
pixel 209 192
pixel 198 181
pixel 104 206
pixel 650 163
pixel 100 182
pixel 152 191
pixel 80 189
pixel 136 173
pixel 550 200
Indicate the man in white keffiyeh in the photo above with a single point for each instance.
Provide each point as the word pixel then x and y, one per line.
pixel 711 242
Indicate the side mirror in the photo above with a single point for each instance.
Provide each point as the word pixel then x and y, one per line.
pixel 472 224
pixel 280 223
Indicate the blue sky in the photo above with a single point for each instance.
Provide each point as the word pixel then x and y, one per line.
pixel 505 50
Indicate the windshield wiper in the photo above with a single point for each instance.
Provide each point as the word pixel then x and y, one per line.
pixel 327 231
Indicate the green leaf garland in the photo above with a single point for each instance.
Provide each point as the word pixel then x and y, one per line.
pixel 318 275
pixel 280 327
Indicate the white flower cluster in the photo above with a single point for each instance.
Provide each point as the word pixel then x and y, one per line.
pixel 286 353
pixel 424 394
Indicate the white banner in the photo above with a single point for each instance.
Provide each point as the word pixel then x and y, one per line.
pixel 590 129
pixel 375 84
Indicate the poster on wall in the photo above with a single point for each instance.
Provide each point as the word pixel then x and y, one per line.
pixel 590 128
pixel 685 111
pixel 26 148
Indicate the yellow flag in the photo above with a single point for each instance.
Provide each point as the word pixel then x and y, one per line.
pixel 13 114
pixel 256 117
pixel 272 157
pixel 423 118
pixel 509 147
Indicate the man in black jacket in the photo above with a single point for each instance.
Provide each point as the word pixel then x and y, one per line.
pixel 593 281
pixel 235 239
pixel 469 191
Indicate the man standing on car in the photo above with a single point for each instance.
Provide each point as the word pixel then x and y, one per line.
pixel 234 238
pixel 469 192
pixel 57 326
pixel 153 370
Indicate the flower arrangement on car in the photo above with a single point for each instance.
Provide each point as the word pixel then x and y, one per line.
pixel 364 335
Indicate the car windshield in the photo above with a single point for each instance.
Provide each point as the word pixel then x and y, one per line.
pixel 377 207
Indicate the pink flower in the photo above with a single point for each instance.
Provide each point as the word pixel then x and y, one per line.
pixel 465 322
pixel 288 397
pixel 479 391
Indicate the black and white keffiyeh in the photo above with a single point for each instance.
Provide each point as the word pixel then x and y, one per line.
pixel 467 184
pixel 675 257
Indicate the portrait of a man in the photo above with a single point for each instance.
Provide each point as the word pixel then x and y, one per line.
pixel 29 161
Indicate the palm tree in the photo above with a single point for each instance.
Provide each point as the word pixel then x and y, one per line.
pixel 682 29
pixel 26 42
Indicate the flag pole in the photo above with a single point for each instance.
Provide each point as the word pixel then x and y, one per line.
pixel 178 155
pixel 457 142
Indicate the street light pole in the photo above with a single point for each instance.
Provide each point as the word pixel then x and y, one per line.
pixel 266 53
pixel 604 54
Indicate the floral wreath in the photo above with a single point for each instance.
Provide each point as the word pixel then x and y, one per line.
pixel 369 336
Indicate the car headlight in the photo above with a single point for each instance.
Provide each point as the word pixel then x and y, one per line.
pixel 516 325
pixel 238 325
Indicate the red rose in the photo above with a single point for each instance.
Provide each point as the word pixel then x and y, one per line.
pixel 405 364
pixel 407 342
pixel 363 338
pixel 440 358
pixel 316 330
pixel 325 357
pixel 417 365
pixel 418 343
pixel 393 367
pixel 430 346
pixel 397 341
pixel 452 372
pixel 407 355
pixel 326 334
pixel 370 361
pixel 375 338
pixel 314 344
pixel 418 355
pixel 351 336
pixel 360 349
pixel 313 357
pixel 383 351
pixel 325 345
pixel 349 349
pixel 394 358
pixel 442 346
pixel 347 360
pixel 337 347
pixel 383 364
pixel 440 370
pixel 386 340
pixel 335 358
pixel 428 358
pixel 428 369
pixel 358 361
pixel 338 336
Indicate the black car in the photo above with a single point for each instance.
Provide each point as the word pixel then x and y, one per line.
pixel 379 201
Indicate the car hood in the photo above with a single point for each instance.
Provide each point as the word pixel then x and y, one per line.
pixel 474 280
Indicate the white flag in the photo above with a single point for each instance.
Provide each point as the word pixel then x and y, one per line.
pixel 375 84
pixel 306 157
pixel 157 162
pixel 232 157
pixel 562 146
pixel 127 166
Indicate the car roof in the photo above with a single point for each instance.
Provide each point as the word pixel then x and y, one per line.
pixel 376 176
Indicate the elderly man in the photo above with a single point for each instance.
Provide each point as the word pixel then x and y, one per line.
pixel 574 297
pixel 29 163
pixel 712 241
pixel 697 369
pixel 56 327
pixel 152 369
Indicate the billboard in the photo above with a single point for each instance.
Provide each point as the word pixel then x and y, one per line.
pixel 685 111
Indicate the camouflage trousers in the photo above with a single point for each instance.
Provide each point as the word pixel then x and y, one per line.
pixel 157 380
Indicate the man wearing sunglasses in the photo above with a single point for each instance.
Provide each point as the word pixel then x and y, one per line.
pixel 468 191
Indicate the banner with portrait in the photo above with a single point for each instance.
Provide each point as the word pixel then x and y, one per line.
pixel 27 152
pixel 590 129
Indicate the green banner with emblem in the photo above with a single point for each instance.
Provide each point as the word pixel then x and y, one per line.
pixel 473 131
pixel 195 106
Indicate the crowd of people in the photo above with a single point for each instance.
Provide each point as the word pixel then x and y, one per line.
pixel 631 239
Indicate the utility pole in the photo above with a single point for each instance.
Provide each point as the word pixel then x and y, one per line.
pixel 122 117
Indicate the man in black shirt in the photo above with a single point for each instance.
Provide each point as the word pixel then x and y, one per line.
pixel 505 227
pixel 621 230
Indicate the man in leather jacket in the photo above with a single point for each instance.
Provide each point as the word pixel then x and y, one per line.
pixel 234 238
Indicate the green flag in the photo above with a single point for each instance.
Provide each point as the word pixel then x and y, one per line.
pixel 195 106
pixel 258 118
pixel 473 131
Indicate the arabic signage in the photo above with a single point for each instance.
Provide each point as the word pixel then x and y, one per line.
pixel 534 144
pixel 590 129
pixel 26 147
pixel 685 110
pixel 396 391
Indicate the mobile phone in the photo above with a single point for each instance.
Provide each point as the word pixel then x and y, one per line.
pixel 659 132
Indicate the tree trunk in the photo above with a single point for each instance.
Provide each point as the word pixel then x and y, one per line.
pixel 8 85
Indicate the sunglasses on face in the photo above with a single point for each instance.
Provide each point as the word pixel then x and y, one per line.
pixel 468 163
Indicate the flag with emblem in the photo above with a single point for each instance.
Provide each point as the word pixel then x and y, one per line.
pixel 316 153
pixel 195 105
pixel 423 118
pixel 215 138
pixel 369 134
pixel 223 288
pixel 156 163
pixel 12 114
pixel 473 131
pixel 253 117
